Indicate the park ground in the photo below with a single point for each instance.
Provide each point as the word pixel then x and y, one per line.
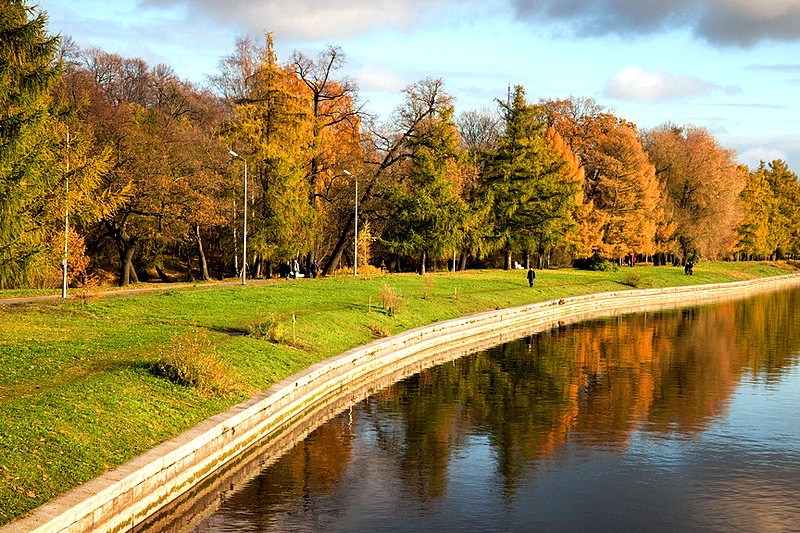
pixel 88 383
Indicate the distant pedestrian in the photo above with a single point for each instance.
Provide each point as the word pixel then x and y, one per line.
pixel 314 269
pixel 285 270
pixel 531 276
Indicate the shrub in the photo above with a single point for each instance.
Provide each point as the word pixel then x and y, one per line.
pixel 379 331
pixel 364 271
pixel 390 299
pixel 632 279
pixel 268 329
pixel 190 360
pixel 595 263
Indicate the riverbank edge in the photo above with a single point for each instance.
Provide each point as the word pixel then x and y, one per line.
pixel 126 496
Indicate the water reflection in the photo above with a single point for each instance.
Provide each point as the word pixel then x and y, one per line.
pixel 683 420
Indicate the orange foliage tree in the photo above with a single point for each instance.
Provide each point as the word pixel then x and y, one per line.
pixel 621 209
pixel 702 183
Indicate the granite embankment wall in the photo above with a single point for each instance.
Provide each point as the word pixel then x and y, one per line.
pixel 148 491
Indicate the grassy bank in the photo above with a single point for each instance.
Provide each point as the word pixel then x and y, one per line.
pixel 88 384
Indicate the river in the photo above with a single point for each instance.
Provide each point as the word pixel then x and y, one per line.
pixel 683 420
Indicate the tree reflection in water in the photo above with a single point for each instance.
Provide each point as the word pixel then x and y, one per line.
pixel 632 422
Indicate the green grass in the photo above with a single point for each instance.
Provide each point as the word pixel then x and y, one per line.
pixel 78 390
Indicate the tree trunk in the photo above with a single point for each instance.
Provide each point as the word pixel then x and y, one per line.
pixel 162 275
pixel 126 247
pixel 462 263
pixel 422 259
pixel 507 265
pixel 126 268
pixel 336 255
pixel 201 255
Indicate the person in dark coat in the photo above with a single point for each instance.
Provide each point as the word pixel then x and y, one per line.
pixel 285 270
pixel 531 276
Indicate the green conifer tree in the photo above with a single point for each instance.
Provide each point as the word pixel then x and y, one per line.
pixel 428 215
pixel 27 175
pixel 533 202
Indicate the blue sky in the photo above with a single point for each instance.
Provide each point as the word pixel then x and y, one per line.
pixel 732 66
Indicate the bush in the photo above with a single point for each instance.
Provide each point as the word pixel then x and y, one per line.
pixel 595 263
pixel 427 287
pixel 632 279
pixel 268 329
pixel 189 360
pixel 364 272
pixel 378 330
pixel 390 299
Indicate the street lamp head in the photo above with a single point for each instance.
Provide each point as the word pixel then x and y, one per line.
pixel 234 154
pixel 346 172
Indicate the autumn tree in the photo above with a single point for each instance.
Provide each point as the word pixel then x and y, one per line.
pixel 771 225
pixel 27 69
pixel 388 148
pixel 701 183
pixel 479 133
pixel 786 217
pixel 272 128
pixel 758 201
pixel 163 161
pixel 334 129
pixel 622 184
pixel 621 196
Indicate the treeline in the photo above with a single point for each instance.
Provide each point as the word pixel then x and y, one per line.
pixel 139 165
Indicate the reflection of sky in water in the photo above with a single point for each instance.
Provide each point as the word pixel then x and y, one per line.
pixel 766 413
pixel 741 473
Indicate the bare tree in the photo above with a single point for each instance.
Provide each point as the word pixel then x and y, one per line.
pixel 479 130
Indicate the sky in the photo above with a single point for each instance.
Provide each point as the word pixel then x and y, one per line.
pixel 731 66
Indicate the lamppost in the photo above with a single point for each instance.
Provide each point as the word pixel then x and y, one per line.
pixel 244 230
pixel 355 217
pixel 66 225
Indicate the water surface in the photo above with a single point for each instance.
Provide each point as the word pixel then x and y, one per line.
pixel 686 420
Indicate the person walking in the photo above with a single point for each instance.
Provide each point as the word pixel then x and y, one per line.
pixel 531 276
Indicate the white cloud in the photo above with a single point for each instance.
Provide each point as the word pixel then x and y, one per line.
pixel 753 149
pixel 753 156
pixel 307 19
pixel 635 83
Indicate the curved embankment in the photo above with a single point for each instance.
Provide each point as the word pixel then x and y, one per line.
pixel 184 476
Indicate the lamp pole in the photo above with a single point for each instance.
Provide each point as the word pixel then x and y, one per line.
pixel 244 228
pixel 66 226
pixel 355 221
